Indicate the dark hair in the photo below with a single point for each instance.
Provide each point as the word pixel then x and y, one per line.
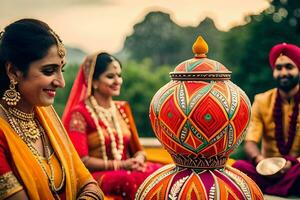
pixel 21 43
pixel 102 61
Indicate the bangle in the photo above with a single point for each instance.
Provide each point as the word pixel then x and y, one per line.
pixel 121 165
pixel 90 191
pixel 91 194
pixel 115 165
pixel 105 164
pixel 140 154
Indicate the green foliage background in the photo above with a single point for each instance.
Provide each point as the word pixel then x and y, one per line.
pixel 158 44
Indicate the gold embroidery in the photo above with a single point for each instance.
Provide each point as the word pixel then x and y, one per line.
pixel 9 185
pixel 77 122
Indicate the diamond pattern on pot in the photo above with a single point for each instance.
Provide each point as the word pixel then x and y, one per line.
pixel 171 115
pixel 211 118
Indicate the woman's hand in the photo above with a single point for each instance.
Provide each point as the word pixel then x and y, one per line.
pixel 134 164
pixel 91 191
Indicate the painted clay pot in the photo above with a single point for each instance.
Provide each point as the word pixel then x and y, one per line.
pixel 200 117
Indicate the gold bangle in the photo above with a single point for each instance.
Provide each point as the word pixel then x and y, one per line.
pixel 141 154
pixel 86 195
pixel 97 194
pixel 114 164
pixel 121 164
pixel 83 198
pixel 105 164
pixel 89 196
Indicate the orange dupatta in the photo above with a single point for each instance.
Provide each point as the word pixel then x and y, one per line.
pixel 77 176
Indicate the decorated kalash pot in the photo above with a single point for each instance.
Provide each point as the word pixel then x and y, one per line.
pixel 200 117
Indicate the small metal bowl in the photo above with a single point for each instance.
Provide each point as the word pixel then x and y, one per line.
pixel 270 166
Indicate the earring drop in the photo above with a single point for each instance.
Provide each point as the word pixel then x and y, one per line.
pixel 11 96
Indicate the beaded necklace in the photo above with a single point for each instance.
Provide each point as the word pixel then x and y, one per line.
pixel 26 122
pixel 284 148
pixel 107 117
pixel 12 115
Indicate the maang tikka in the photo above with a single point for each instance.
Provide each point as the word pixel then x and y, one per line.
pixel 11 96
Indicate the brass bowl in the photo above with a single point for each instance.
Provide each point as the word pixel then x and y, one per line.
pixel 270 166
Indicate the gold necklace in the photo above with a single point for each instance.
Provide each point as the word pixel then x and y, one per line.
pixel 96 113
pixel 28 129
pixel 20 114
pixel 50 177
pixel 48 155
pixel 107 112
pixel 99 131
pixel 12 119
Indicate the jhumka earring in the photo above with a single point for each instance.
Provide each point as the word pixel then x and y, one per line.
pixel 11 96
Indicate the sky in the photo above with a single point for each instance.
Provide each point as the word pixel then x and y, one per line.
pixel 95 25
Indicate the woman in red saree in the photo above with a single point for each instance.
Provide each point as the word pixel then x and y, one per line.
pixel 103 131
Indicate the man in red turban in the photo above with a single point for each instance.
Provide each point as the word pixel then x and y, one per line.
pixel 279 55
pixel 275 123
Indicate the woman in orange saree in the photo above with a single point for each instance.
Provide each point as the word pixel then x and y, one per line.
pixel 37 159
pixel 103 130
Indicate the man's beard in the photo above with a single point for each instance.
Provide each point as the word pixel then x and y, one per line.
pixel 287 83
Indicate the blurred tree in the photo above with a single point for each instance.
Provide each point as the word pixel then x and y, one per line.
pixel 286 10
pixel 209 32
pixel 246 48
pixel 140 82
pixel 159 38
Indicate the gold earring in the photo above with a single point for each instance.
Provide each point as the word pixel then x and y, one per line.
pixel 11 96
